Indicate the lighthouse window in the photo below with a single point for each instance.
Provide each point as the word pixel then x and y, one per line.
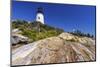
pixel 38 17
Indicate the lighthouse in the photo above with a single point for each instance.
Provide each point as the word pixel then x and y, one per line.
pixel 40 15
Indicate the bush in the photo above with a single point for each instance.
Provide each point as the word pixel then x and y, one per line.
pixel 36 30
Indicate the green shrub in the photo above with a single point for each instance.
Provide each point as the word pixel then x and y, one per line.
pixel 36 30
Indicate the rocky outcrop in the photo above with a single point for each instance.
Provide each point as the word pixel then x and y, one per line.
pixel 63 48
pixel 18 38
pixel 16 31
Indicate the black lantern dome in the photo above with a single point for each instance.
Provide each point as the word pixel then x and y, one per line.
pixel 40 10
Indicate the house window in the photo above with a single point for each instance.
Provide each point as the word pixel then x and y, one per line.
pixel 38 17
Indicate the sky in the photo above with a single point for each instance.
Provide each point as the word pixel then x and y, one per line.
pixel 64 16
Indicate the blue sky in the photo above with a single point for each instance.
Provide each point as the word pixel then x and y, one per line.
pixel 65 16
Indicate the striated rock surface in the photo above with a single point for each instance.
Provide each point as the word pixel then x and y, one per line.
pixel 63 48
pixel 18 38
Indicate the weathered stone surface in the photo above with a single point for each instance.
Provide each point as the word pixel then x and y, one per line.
pixel 63 48
pixel 18 38
pixel 16 31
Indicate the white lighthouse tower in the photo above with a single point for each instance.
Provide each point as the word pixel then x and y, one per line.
pixel 40 15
